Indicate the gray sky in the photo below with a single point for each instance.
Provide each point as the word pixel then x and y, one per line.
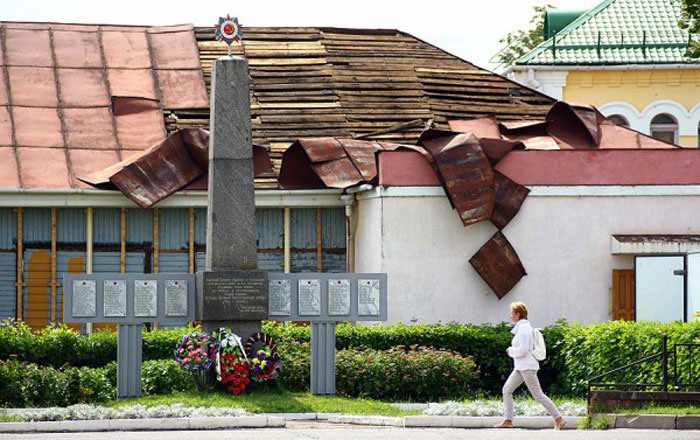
pixel 468 28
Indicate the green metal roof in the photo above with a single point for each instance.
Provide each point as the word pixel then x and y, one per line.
pixel 618 32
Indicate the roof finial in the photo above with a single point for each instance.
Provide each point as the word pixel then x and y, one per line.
pixel 228 30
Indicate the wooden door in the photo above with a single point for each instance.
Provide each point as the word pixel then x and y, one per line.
pixel 623 294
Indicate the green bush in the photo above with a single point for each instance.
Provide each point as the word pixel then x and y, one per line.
pixel 594 349
pixel 401 373
pixel 30 385
pixel 485 344
pixel 164 377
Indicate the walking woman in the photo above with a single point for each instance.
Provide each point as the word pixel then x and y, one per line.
pixel 525 370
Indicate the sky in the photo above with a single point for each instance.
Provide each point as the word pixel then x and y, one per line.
pixel 469 29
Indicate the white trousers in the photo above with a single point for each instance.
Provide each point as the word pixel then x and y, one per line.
pixel 516 379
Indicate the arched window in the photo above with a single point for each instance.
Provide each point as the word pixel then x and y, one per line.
pixel 665 128
pixel 619 120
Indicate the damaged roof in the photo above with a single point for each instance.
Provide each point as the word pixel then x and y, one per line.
pixel 77 98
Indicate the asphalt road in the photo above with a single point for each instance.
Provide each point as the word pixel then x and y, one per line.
pixel 317 431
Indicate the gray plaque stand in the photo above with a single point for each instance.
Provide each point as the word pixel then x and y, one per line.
pixel 323 358
pixel 129 344
pixel 323 324
pixel 128 315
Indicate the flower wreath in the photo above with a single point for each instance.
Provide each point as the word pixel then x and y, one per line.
pixel 232 368
pixel 195 352
pixel 264 363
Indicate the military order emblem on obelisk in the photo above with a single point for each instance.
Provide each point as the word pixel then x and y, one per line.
pixel 232 292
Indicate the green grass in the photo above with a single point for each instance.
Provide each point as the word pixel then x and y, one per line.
pixel 659 409
pixel 9 418
pixel 282 402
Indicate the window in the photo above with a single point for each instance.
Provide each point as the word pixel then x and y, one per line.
pixel 619 120
pixel 665 127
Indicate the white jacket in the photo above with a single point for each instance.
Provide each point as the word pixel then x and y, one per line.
pixel 521 346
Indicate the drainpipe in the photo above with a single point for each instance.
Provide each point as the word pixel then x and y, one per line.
pixel 88 255
pixel 351 222
pixel 287 252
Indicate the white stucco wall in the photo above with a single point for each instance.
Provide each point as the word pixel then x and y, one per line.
pixel 564 243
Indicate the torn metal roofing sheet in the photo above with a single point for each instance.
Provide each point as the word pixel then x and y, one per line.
pixel 331 162
pixel 465 172
pixel 498 265
pixel 149 176
pixel 67 89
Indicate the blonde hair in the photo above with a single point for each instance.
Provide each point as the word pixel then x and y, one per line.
pixel 519 308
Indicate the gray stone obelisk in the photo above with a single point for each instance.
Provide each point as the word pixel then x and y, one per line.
pixel 232 291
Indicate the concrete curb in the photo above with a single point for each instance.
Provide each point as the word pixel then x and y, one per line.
pixel 484 422
pixel 368 420
pixel 651 421
pixel 166 424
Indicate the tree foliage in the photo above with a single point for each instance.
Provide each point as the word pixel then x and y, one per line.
pixel 518 43
pixel 690 19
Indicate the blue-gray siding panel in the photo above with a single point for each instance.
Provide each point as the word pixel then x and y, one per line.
pixel 173 262
pixel 36 225
pixel 8 228
pixel 139 226
pixel 173 228
pixel 200 226
pixel 303 228
pixel 70 225
pixel 8 290
pixel 333 228
pixel 333 262
pixel 304 262
pixel 106 226
pixel 271 261
pixel 199 261
pixel 270 228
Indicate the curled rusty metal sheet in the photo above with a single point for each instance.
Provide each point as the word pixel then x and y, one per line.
pixel 149 176
pixel 332 163
pixel 576 125
pixel 509 197
pixel 498 265
pixel 465 172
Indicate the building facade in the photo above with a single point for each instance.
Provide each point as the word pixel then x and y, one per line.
pixel 626 57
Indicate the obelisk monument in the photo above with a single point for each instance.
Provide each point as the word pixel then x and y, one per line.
pixel 232 292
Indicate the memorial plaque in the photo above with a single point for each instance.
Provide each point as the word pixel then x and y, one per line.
pixel 84 298
pixel 176 298
pixel 145 298
pixel 309 297
pixel 114 298
pixel 280 297
pixel 234 295
pixel 338 297
pixel 368 297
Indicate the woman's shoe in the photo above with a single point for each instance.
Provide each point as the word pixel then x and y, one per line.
pixel 505 424
pixel 560 424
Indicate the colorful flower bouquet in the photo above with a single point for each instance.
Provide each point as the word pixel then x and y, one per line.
pixel 196 353
pixel 235 364
pixel 232 368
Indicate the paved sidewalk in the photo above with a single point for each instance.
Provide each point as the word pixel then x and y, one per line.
pixel 320 431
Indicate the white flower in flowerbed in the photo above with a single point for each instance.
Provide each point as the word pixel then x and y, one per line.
pixel 486 408
pixel 91 412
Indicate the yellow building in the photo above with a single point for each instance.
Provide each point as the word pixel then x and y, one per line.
pixel 626 57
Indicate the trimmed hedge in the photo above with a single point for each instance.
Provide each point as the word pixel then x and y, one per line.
pixel 60 346
pixel 29 385
pixel 574 352
pixel 400 373
pixel 485 344
pixel 594 349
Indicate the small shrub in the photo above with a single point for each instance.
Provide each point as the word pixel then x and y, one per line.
pixel 164 377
